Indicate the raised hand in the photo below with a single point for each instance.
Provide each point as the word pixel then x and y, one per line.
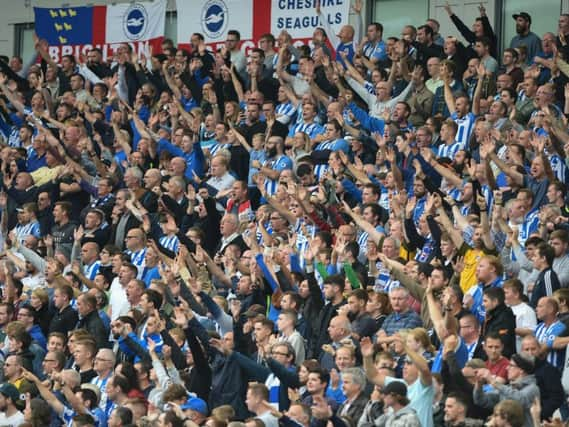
pixel 367 347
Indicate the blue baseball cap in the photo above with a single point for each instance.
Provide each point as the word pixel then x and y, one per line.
pixel 195 404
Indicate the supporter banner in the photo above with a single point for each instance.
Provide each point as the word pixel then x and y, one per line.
pixel 75 30
pixel 299 18
pixel 253 18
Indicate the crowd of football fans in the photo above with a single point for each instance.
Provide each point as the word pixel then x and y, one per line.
pixel 364 231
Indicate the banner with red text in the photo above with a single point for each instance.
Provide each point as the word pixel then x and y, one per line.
pixel 253 18
pixel 75 30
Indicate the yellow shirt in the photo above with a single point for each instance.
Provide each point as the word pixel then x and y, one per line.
pixel 44 174
pixel 468 275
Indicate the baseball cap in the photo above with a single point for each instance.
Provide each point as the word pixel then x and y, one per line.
pixel 9 390
pixel 94 389
pixel 524 363
pixel 395 387
pixel 195 404
pixel 523 15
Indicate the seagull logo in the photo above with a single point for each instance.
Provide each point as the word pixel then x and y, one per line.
pixel 214 18
pixel 135 22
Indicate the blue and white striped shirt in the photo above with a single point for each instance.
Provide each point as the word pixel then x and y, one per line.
pixel 465 126
pixel 171 243
pixel 22 231
pixel 546 335
pixel 137 258
pixel 311 129
pixel 285 112
pixel 449 151
pixel 90 271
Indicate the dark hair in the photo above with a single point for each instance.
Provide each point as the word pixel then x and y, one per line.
pixel 511 92
pixel 484 41
pixel 377 26
pixel 261 52
pixel 154 297
pixel 295 298
pixel 67 291
pixel 360 294
pixel 427 29
pixel 269 324
pixel 496 294
pixel 89 395
pixel 71 58
pixel 80 76
pixel 335 279
pixel 41 412
pixel 322 374
pixel 129 320
pixel 121 382
pixel 82 420
pixel 533 240
pixel 269 37
pixel 353 248
pixel 235 33
pixel 493 335
pixel 513 52
pixel 124 414
pixel 460 398
pixel 546 251
pixel 326 237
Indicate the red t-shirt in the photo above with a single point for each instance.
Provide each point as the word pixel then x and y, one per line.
pixel 499 368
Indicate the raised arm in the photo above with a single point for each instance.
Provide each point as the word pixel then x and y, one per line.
pixel 372 373
pixel 449 175
pixel 486 236
pixel 375 235
pixel 490 147
pixel 478 91
pixel 281 72
pixel 449 97
pixel 446 223
pixel 175 89
pixel 237 84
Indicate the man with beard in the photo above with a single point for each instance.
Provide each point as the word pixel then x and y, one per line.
pixel 525 37
pixel 9 414
pixel 333 293
pixel 274 164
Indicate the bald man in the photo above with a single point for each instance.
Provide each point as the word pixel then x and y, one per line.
pixel 339 329
pixel 152 178
pixel 90 259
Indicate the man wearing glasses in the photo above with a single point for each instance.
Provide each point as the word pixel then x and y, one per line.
pixel 103 366
pixel 237 56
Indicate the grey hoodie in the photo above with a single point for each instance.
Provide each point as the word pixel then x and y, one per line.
pixel 524 390
pixel 405 417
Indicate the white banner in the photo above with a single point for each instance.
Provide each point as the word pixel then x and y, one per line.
pixel 299 18
pixel 135 21
pixel 213 18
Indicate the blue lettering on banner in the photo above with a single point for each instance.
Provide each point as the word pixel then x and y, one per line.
pixel 294 23
pixel 307 4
